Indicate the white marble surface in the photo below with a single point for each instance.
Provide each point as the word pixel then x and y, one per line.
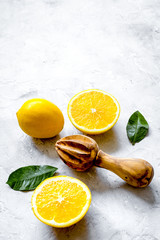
pixel 53 49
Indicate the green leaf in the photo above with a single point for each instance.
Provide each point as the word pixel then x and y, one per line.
pixel 29 177
pixel 137 127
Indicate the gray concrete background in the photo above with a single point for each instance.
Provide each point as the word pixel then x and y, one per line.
pixel 53 49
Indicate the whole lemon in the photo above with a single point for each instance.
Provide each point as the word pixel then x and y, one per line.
pixel 40 118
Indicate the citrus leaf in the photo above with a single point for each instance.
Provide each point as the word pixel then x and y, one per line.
pixel 29 177
pixel 137 127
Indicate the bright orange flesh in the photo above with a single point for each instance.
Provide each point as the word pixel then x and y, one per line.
pixel 61 201
pixel 93 110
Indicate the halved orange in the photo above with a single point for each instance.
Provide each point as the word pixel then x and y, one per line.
pixel 93 111
pixel 61 201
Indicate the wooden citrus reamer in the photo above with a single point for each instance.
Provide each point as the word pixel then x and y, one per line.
pixel 81 152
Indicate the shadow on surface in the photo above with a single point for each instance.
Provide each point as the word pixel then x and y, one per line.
pixel 146 194
pixel 47 145
pixel 101 183
pixel 107 141
pixel 77 231
pixel 94 180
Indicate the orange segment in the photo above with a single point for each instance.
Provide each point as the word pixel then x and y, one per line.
pixel 93 111
pixel 61 201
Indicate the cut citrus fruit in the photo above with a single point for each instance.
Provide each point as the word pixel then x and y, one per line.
pixel 61 201
pixel 93 111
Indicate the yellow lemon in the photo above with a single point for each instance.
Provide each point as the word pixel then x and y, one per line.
pixel 40 118
pixel 61 201
pixel 93 111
